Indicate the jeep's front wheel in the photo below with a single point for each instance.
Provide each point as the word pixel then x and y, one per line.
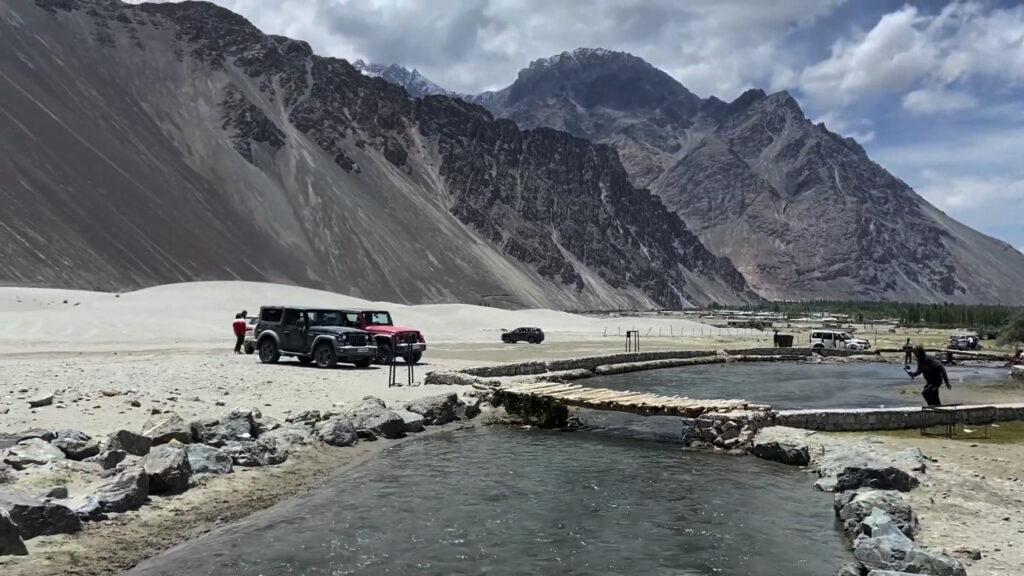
pixel 325 356
pixel 384 353
pixel 269 352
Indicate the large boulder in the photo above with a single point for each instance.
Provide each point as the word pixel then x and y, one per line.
pixel 413 421
pixel 235 426
pixel 849 569
pixel 108 459
pixel 32 452
pixel 887 548
pixel 76 445
pixel 261 452
pixel 130 442
pixel 208 460
pixel 36 517
pixel 373 416
pixel 125 491
pixel 10 539
pixel 168 468
pixel 337 431
pixel 468 408
pixel 162 428
pixel 853 507
pixel 782 444
pixel 288 435
pixel 436 410
pixel 868 464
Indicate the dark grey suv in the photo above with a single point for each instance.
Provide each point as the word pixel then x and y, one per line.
pixel 531 335
pixel 321 335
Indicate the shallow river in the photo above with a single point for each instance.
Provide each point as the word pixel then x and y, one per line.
pixel 500 500
pixel 802 385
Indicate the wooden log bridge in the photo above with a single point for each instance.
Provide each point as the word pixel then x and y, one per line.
pixel 625 400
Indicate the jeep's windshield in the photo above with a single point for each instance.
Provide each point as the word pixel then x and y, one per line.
pixel 378 318
pixel 326 318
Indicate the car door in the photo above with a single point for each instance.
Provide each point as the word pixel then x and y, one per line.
pixel 293 334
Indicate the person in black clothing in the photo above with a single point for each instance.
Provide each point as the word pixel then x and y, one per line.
pixel 908 351
pixel 934 375
pixel 775 339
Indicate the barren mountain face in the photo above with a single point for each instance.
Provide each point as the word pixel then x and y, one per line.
pixel 172 142
pixel 801 211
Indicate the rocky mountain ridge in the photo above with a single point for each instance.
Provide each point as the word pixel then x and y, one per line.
pixel 156 143
pixel 803 212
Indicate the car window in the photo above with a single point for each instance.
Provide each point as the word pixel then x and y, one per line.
pixel 271 314
pixel 351 319
pixel 326 318
pixel 291 317
pixel 380 318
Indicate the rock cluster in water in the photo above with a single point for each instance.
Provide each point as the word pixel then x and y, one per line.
pixel 732 431
pixel 867 483
pixel 169 455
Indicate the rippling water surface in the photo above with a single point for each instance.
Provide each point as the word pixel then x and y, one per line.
pixel 797 385
pixel 500 501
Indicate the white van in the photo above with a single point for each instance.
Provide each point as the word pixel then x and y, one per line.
pixel 837 339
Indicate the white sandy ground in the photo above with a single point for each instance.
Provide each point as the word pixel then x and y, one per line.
pixel 169 348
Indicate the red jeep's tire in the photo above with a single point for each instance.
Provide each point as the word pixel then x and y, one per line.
pixel 414 358
pixel 325 356
pixel 269 352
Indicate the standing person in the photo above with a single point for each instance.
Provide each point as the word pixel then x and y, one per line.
pixel 908 352
pixel 239 326
pixel 775 339
pixel 934 375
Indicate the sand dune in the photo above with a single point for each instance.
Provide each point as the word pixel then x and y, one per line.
pixel 199 314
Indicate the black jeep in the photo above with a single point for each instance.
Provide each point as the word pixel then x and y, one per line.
pixel 531 335
pixel 320 335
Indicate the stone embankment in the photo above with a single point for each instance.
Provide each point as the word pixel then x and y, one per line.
pixel 867 481
pixel 167 456
pixel 869 419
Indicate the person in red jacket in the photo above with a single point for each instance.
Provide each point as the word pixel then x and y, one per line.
pixel 239 326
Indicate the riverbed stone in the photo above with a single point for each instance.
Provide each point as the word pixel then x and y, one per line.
pixel 167 426
pixel 57 493
pixel 413 421
pixel 10 539
pixel 126 490
pixel 43 434
pixel 849 569
pixel 853 507
pixel 235 426
pixel 131 442
pixel 868 464
pixel 6 473
pixel 32 452
pixel 882 478
pixel 468 408
pixel 436 410
pixel 264 424
pixel 168 468
pixel 371 414
pixel 41 400
pixel 887 548
pixel 75 444
pixel 337 431
pixel 206 459
pixel 38 517
pixel 108 459
pixel 307 417
pixel 782 444
pixel 253 453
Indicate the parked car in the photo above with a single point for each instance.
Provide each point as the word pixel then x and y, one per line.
pixel 531 335
pixel 407 343
pixel 964 342
pixel 249 344
pixel 320 335
pixel 837 339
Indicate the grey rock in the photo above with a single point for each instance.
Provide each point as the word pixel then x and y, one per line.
pixel 167 426
pixel 885 478
pixel 468 408
pixel 42 400
pixel 308 416
pixel 869 465
pixel 288 435
pixel 337 431
pixel 853 507
pixel 371 415
pixel 76 445
pixel 32 452
pixel 57 493
pixel 127 490
pixel 45 435
pixel 252 453
pixel 236 426
pixel 413 421
pixel 436 410
pixel 37 517
pixel 781 444
pixel 130 442
pixel 10 539
pixel 6 474
pixel 108 459
pixel 887 548
pixel 168 468
pixel 849 569
pixel 206 459
pixel 265 424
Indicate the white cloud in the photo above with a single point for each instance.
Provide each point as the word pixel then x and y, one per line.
pixel 930 101
pixel 925 55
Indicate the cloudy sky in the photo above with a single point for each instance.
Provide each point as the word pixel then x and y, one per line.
pixel 933 89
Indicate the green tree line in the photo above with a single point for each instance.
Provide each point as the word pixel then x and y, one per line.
pixel 982 317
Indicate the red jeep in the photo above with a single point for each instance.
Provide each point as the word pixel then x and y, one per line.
pixel 407 342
